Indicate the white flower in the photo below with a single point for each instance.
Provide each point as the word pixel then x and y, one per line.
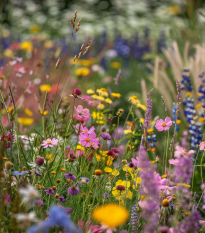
pixel 29 193
pixel 26 217
pixel 33 165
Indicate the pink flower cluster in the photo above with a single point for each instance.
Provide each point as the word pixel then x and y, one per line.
pixel 82 114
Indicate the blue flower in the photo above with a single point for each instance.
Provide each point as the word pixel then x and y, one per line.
pixel 84 180
pixel 17 173
pixel 59 217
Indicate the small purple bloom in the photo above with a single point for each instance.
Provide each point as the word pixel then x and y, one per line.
pixel 105 195
pixel 116 150
pixel 84 180
pixel 68 210
pixel 73 190
pixel 105 136
pixel 70 176
pixel 62 199
pixel 39 203
pixel 49 191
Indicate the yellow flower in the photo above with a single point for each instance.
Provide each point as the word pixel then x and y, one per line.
pixel 101 106
pixel 28 112
pixel 201 119
pixel 100 122
pixel 111 215
pixel 108 169
pixel 25 121
pixel 102 91
pixel 150 130
pixel 49 157
pixel 127 131
pixel 101 156
pixel 142 106
pixel 164 176
pixel 136 182
pixel 34 29
pixel 43 113
pixel 189 93
pixel 27 46
pixel 134 100
pixel 115 65
pixel 185 185
pixel 109 161
pixel 198 105
pixel 82 71
pixel 153 162
pixel 115 172
pixel 90 91
pixel 178 122
pixel 8 53
pixel 85 62
pixel 100 98
pixel 79 147
pixel 142 121
pixel 116 95
pixel 108 100
pixel 48 44
pixel 174 10
pixel 97 115
pixel 11 108
pixel 45 87
pixel 95 96
pixel 120 191
pixel 71 61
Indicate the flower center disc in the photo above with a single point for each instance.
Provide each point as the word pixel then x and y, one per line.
pixel 48 142
pixel 163 124
pixel 87 139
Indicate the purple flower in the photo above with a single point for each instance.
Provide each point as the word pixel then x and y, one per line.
pixel 39 203
pixel 105 195
pixel 68 210
pixel 149 109
pixel 84 180
pixel 105 136
pixel 62 199
pixel 70 176
pixel 73 190
pixel 76 92
pixel 116 150
pixel 49 191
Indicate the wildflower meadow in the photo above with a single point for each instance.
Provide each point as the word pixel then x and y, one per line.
pixel 101 134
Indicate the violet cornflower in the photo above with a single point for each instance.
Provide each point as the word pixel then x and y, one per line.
pixel 73 190
pixel 149 109
pixel 62 199
pixel 68 210
pixel 70 176
pixel 105 136
pixel 49 143
pixel 49 191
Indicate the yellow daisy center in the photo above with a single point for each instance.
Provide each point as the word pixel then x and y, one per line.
pixel 87 139
pixel 163 124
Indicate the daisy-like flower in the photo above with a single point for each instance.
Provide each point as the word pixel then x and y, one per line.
pixel 86 139
pixel 29 193
pixel 121 190
pixel 84 129
pixel 163 125
pixel 49 143
pixel 134 100
pixel 82 114
pixel 30 217
pixel 102 91
pixel 84 180
pixel 105 136
pixel 70 176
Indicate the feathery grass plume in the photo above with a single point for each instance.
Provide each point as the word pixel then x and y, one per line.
pixel 117 78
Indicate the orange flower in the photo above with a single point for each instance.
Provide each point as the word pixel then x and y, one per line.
pixel 63 169
pixel 53 172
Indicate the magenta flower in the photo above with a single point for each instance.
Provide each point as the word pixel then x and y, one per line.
pixel 49 191
pixel 174 162
pixel 163 125
pixel 105 136
pixel 62 199
pixel 49 143
pixel 181 152
pixel 86 139
pixel 202 145
pixel 73 190
pixel 82 114
pixel 116 150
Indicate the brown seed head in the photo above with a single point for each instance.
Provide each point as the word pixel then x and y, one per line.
pixel 68 181
pixel 57 195
pixel 90 193
pixel 83 194
pixel 165 203
pixel 58 181
pixel 8 165
pixel 98 172
pixel 54 187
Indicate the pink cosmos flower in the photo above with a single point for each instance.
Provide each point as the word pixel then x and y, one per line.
pixel 86 139
pixel 163 125
pixel 167 190
pixel 84 129
pixel 82 114
pixel 174 162
pixel 180 152
pixel 202 145
pixel 49 143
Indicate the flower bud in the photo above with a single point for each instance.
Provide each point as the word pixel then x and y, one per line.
pixel 8 165
pixel 54 187
pixel 98 172
pixel 165 203
pixel 40 161
pixel 58 181
pixel 77 92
